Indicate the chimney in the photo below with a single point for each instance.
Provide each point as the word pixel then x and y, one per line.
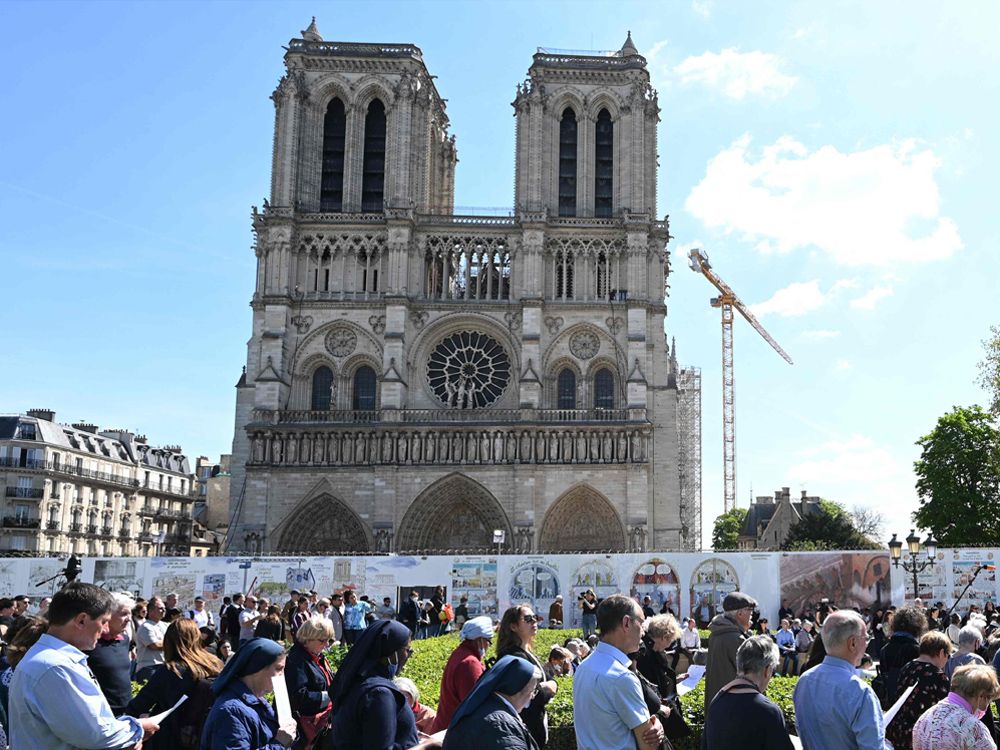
pixel 85 427
pixel 803 494
pixel 44 414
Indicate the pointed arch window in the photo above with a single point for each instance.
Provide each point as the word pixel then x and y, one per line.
pixel 604 147
pixel 566 389
pixel 604 389
pixel 331 196
pixel 322 389
pixel 567 163
pixel 363 397
pixel 373 175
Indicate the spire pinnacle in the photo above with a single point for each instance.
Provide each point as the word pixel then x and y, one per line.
pixel 312 33
pixel 628 49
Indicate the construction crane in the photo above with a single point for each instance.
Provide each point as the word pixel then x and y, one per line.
pixel 728 300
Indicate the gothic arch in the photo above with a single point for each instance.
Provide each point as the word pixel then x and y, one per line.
pixel 372 87
pixel 581 520
pixel 605 100
pixel 569 97
pixel 455 512
pixel 322 525
pixel 330 86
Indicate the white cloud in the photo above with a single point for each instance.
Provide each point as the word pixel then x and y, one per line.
pixel 681 251
pixel 860 207
pixel 820 335
pixel 737 74
pixel 858 471
pixel 798 298
pixel 654 52
pixel 843 365
pixel 703 7
pixel 871 298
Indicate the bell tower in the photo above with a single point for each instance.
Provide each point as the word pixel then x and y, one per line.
pixel 586 135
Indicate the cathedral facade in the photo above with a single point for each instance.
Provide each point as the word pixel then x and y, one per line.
pixel 417 380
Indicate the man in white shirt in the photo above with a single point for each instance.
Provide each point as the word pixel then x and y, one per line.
pixel 149 640
pixel 201 616
pixel 248 618
pixel 608 706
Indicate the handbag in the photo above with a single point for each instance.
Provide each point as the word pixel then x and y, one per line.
pixel 314 727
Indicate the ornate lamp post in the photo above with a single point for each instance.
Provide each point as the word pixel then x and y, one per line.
pixel 914 565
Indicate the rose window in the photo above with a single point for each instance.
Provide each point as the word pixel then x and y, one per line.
pixel 468 370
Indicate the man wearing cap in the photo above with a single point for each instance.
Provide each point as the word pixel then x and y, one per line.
pixel 290 606
pixel 464 668
pixel 201 616
pixel 728 631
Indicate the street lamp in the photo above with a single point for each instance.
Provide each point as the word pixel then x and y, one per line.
pixel 914 565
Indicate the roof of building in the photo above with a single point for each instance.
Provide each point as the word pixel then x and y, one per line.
pixel 101 445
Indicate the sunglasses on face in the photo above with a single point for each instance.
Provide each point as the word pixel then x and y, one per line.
pixel 530 619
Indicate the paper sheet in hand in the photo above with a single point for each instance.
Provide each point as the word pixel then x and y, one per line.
pixel 796 742
pixel 891 713
pixel 695 673
pixel 281 702
pixel 158 719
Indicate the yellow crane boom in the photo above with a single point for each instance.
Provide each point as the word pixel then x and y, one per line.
pixel 727 301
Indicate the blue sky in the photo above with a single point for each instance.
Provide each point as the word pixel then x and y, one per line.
pixel 835 160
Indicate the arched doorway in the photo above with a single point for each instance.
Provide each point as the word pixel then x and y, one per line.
pixel 322 526
pixel 582 520
pixel 453 513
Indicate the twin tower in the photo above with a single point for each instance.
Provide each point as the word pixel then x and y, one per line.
pixel 417 380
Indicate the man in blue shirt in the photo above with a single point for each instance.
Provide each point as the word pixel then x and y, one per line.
pixel 834 708
pixel 55 702
pixel 608 707
pixel 785 639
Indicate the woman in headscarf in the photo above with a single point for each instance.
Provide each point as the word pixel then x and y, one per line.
pixel 488 719
pixel 186 663
pixel 240 717
pixel 370 711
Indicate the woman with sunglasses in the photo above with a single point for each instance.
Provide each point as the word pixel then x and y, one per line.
pixel 369 709
pixel 516 637
pixel 308 678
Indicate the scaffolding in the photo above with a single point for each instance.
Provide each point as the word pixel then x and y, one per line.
pixel 689 440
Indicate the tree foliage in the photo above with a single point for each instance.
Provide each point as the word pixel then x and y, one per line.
pixel 958 478
pixel 726 532
pixel 989 369
pixel 831 529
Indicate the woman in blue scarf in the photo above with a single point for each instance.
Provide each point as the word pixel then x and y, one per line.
pixel 369 711
pixel 240 717
pixel 489 718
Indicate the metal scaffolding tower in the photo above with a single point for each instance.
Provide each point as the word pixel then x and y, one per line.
pixel 689 439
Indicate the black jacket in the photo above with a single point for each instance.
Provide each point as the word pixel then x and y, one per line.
pixel 161 692
pixel 307 685
pixel 492 726
pixel 533 715
pixel 901 649
pixel 409 614
pixel 654 666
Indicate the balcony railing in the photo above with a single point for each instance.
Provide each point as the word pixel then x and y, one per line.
pixel 75 528
pixel 52 525
pixel 461 416
pixel 28 492
pixel 12 522
pixel 146 537
pixel 21 463
pixel 106 531
pixel 92 528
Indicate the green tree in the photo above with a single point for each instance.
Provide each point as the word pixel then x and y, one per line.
pixel 831 528
pixel 958 477
pixel 726 532
pixel 989 369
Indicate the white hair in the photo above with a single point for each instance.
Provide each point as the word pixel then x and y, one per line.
pixel 841 625
pixel 123 600
pixel 970 636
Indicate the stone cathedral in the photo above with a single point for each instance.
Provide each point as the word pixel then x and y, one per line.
pixel 417 379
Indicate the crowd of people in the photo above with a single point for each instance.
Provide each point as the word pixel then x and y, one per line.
pixel 68 673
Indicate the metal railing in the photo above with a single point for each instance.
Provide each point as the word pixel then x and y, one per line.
pixel 461 416
pixel 25 492
pixel 21 523
pixel 22 463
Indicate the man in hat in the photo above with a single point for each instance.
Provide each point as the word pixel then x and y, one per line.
pixel 728 631
pixel 464 668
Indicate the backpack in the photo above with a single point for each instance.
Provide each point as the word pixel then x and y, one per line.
pixel 447 614
pixel 193 714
